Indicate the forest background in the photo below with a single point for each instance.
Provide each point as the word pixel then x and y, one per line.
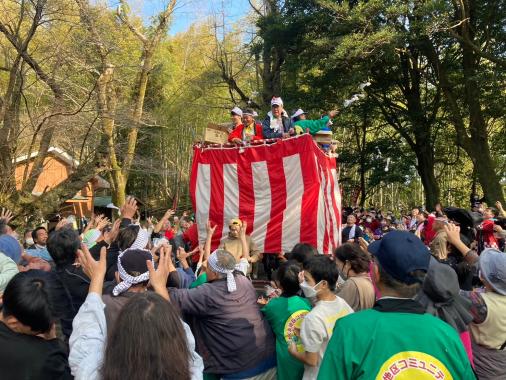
pixel 128 99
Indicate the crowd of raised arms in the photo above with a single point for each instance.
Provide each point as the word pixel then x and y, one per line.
pixel 416 296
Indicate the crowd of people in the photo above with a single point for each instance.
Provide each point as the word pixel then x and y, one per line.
pixel 405 296
pixel 276 124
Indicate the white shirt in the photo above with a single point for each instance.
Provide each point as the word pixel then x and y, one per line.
pixel 88 340
pixel 317 328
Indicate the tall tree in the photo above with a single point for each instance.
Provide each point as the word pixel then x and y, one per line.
pixel 472 29
pixel 149 40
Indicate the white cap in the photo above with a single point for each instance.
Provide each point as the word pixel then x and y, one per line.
pixel 298 113
pixel 276 101
pixel 255 114
pixel 237 111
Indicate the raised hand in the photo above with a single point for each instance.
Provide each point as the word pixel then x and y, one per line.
pixel 168 214
pixel 453 233
pixel 113 234
pixel 242 230
pixel 210 229
pixel 94 269
pixel 129 209
pixel 102 223
pixel 158 277
pixel 6 215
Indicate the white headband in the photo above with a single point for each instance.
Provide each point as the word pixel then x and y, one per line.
pixel 129 280
pixel 212 261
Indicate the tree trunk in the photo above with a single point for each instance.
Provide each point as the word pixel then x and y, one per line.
pixel 425 168
pixel 9 131
pixel 478 148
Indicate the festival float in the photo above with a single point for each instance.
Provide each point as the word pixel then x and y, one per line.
pixel 287 190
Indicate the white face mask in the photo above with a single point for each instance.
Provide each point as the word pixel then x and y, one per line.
pixel 309 291
pixel 368 220
pixel 29 241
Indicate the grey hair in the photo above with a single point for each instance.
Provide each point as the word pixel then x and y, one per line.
pixel 225 259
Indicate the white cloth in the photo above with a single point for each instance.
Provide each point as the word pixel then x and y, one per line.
pixel 88 340
pixel 242 266
pixel 142 239
pixel 128 280
pixel 317 327
pixel 351 234
pixel 275 123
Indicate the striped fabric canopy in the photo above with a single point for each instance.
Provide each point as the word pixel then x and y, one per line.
pixel 287 192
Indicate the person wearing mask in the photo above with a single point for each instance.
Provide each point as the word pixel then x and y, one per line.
pixel 28 239
pixel 353 263
pixel 28 345
pixel 39 248
pixel 277 124
pixel 285 315
pixel 370 221
pixel 351 233
pixel 319 284
pixel 396 337
pixel 232 335
pixel 249 130
pixel 148 340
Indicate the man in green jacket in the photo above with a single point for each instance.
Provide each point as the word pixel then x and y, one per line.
pixel 302 124
pixel 395 339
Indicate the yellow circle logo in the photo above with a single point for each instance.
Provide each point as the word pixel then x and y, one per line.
pixel 292 328
pixel 413 365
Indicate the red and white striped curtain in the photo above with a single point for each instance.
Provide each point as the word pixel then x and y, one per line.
pixel 287 192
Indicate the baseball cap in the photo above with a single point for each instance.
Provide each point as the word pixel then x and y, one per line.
pixel 236 221
pixel 401 253
pixel 276 101
pixel 236 111
pixel 493 269
pixel 298 113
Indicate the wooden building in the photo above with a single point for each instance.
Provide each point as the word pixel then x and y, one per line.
pixel 58 165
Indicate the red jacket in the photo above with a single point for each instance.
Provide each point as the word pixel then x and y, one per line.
pixel 489 239
pixel 237 132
